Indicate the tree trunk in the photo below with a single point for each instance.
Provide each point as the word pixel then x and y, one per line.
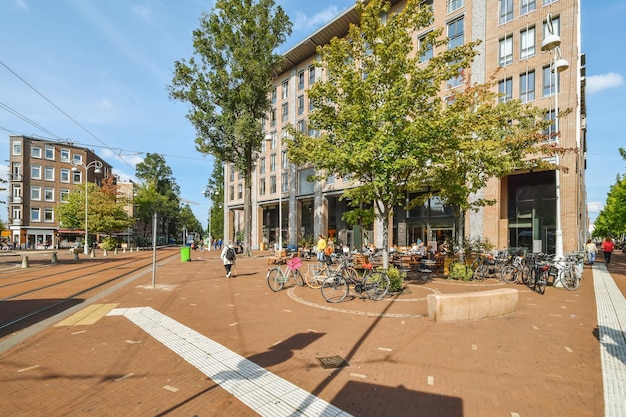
pixel 247 210
pixel 461 233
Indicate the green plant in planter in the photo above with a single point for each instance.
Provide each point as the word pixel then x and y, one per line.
pixel 460 271
pixel 396 279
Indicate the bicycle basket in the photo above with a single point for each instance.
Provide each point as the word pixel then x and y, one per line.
pixel 294 263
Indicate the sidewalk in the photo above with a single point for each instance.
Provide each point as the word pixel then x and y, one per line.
pixel 199 344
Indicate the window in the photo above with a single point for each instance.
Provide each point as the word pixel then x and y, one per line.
pixel 330 179
pixel 311 105
pixel 63 194
pixel 239 191
pixel 65 175
pixel 426 49
pixel 35 214
pixel 49 153
pixel 505 90
pixel 65 155
pixel 35 172
pixel 284 112
pixel 17 213
pixel 527 43
pixel 274 95
pixel 273 162
pixel 17 147
pixel 548 82
pixel 284 183
pixel 285 89
pixel 77 158
pixel 311 74
pixel 301 80
pixel 273 184
pixel 273 141
pixel 48 215
pixel 550 132
pixel 300 105
pixel 283 160
pixel 546 2
pixel 35 193
pixel 48 194
pixel 301 126
pixel 273 118
pixel 48 173
pixel 454 5
pixel 556 27
pixel 262 165
pixel 232 173
pixel 456 33
pixel 16 171
pixel 35 152
pixel 77 177
pixel 231 193
pixel 505 55
pixel 262 186
pixel 527 86
pixel 506 11
pixel 527 6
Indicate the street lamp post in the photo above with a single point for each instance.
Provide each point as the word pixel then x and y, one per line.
pixel 97 165
pixel 552 43
pixel 269 138
pixel 208 193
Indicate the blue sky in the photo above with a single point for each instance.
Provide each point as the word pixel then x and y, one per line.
pixel 95 73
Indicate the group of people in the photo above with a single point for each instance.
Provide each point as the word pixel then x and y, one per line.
pixel 607 246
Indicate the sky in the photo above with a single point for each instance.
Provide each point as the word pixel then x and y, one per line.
pixel 96 72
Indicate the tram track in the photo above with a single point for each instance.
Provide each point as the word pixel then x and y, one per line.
pixel 24 302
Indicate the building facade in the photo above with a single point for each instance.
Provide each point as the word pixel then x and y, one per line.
pixel 40 177
pixel 288 207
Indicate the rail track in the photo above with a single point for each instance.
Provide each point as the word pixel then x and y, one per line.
pixel 28 296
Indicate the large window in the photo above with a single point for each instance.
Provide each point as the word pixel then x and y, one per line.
pixel 48 215
pixel 505 90
pixel 35 152
pixel 285 89
pixel 505 55
pixel 527 6
pixel 548 82
pixel 48 194
pixel 49 153
pixel 273 184
pixel 273 162
pixel 63 194
pixel 300 104
pixel 426 49
pixel 262 190
pixel 527 86
pixel 65 155
pixel 17 147
pixel 284 162
pixel 274 95
pixel 35 172
pixel 284 114
pixel 311 74
pixel 527 43
pixel 262 165
pixel 48 173
pixel 456 37
pixel 506 11
pixel 301 80
pixel 454 5
pixel 35 193
pixel 35 214
pixel 284 183
pixel 65 175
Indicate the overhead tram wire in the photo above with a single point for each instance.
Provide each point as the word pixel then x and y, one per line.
pixel 27 120
pixel 63 112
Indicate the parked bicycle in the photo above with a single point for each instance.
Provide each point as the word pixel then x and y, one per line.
pixel 374 284
pixel 277 276
pixel 317 273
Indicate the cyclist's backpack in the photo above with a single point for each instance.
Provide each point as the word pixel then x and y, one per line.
pixel 230 254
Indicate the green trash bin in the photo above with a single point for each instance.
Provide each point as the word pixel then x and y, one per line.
pixel 185 254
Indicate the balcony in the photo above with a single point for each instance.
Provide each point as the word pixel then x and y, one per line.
pixel 16 222
pixel 16 177
pixel 15 199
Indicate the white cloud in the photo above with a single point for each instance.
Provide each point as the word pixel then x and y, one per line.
pixel 21 4
pixel 597 83
pixel 143 12
pixel 595 206
pixel 302 22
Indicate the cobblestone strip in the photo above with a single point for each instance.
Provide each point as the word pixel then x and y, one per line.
pixel 265 393
pixel 612 332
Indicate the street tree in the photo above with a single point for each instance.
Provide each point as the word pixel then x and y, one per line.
pixel 228 83
pixel 383 122
pixel 612 218
pixel 188 221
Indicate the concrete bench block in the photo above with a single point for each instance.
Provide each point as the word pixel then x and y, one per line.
pixel 472 305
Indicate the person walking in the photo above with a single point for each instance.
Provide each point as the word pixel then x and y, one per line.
pixel 321 245
pixel 228 257
pixel 591 250
pixel 607 248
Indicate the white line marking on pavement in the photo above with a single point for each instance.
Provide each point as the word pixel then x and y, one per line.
pixel 264 392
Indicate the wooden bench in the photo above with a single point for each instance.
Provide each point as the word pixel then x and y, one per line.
pixel 472 305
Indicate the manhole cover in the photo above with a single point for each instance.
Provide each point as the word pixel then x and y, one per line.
pixel 333 362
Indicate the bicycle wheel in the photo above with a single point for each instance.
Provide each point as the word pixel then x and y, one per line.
pixel 376 285
pixel 509 274
pixel 569 279
pixel 541 282
pixel 275 279
pixel 524 270
pixel 481 271
pixel 314 277
pixel 297 276
pixel 351 274
pixel 334 289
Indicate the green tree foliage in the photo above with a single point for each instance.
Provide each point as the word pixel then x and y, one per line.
pixel 215 186
pixel 158 193
pixel 384 124
pixel 106 212
pixel 187 220
pixel 612 218
pixel 228 83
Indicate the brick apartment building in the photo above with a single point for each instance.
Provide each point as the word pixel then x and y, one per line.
pixel 40 177
pixel 525 215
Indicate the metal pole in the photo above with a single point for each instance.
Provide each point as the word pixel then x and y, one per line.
pixel 154 242
pixel 558 233
pixel 86 248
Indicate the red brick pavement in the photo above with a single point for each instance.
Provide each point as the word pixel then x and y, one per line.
pixel 543 360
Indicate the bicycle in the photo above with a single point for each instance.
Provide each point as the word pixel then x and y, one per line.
pixel 567 272
pixel 277 276
pixel 517 269
pixel 374 283
pixel 316 274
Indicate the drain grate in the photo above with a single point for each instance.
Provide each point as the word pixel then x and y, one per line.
pixel 333 362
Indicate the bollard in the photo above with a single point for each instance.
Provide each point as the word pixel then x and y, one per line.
pixel 25 262
pixel 54 259
pixel 93 253
pixel 75 255
pixel 104 252
pixel 115 251
pixel 124 250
